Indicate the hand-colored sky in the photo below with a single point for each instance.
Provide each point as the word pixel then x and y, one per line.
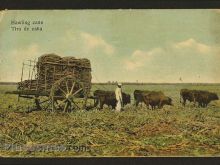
pixel 123 45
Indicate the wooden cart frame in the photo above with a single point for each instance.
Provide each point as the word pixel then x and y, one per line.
pixel 66 94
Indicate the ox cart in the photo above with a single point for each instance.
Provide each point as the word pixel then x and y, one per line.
pixel 57 83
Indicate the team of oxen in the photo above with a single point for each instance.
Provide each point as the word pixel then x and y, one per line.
pixel 155 99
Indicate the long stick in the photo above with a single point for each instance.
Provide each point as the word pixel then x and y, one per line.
pixel 29 71
pixel 38 76
pixel 22 71
pixel 33 70
pixel 45 77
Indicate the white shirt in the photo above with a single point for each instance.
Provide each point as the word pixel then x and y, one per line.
pixel 118 94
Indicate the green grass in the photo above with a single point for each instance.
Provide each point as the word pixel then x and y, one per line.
pixel 171 131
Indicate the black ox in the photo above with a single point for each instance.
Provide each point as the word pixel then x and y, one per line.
pixel 108 98
pixel 203 98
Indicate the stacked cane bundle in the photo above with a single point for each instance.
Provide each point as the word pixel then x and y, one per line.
pixel 79 68
pixel 49 58
pixel 85 63
pixel 86 76
pixel 46 67
pixel 51 67
pixel 27 84
pixel 71 66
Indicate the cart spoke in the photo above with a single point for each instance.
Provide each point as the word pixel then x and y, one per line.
pixel 59 104
pixel 70 106
pixel 67 89
pixel 77 91
pixel 72 88
pixel 62 90
pixel 75 104
pixel 66 106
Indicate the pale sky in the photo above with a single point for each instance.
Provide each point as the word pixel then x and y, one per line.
pixel 123 45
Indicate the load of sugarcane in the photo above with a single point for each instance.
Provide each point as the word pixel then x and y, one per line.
pixel 51 68
pixel 27 84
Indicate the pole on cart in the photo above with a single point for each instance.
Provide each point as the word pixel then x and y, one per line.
pixel 22 72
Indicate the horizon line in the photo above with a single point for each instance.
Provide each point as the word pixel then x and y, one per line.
pixel 8 82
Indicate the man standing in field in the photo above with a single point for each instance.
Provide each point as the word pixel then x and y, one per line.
pixel 118 95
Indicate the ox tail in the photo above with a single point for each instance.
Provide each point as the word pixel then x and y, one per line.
pixel 180 97
pixel 96 102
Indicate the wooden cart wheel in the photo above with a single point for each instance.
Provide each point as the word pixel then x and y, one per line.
pixel 68 94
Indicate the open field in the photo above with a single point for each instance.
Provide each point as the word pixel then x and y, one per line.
pixel 171 131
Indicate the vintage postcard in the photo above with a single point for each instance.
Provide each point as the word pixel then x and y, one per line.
pixel 109 83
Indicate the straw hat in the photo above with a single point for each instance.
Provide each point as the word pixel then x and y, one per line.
pixel 119 84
